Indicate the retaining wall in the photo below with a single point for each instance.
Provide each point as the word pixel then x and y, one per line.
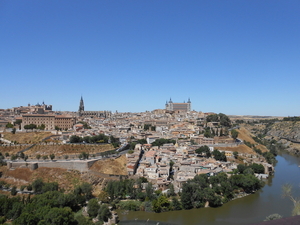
pixel 80 165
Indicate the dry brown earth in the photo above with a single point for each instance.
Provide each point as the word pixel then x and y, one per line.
pixel 26 138
pixel 246 135
pixel 23 176
pixel 66 149
pixel 111 166
pixel 57 149
pixel 14 149
pixel 241 149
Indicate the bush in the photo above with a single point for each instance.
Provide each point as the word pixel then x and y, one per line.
pixel 130 205
pixel 13 191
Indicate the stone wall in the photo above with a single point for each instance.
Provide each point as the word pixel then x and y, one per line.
pixel 80 165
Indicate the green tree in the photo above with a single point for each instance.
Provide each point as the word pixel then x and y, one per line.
pixel 234 133
pixel 29 187
pixel 13 157
pixel 171 190
pixel 13 131
pixel 22 187
pixel 75 139
pixel 176 204
pixel 248 170
pixel 208 133
pixel 241 168
pixel 287 192
pixel 9 125
pixel 162 141
pixel 104 213
pixel 186 196
pixel 204 150
pixel 30 127
pixel 62 216
pixel 93 207
pixel 13 191
pixel 41 127
pixel 103 197
pixel 235 154
pixel 142 141
pixel 82 220
pixel 84 189
pixel 18 122
pixel 52 156
pixel 38 185
pixel 257 168
pixel 222 118
pixel 149 191
pixel 53 186
pixel 220 156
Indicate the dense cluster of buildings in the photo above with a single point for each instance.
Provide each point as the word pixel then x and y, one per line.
pixel 155 164
pixel 176 122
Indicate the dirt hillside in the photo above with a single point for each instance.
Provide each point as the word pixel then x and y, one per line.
pixel 241 149
pixel 26 138
pixel 24 176
pixel 63 149
pixel 111 166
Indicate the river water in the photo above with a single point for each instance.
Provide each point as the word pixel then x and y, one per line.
pixel 250 209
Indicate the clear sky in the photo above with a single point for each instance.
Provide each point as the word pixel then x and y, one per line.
pixel 238 57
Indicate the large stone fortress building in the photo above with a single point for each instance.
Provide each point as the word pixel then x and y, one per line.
pixel 179 107
pixel 49 120
pixel 83 113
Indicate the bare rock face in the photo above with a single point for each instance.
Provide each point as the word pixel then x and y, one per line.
pixel 288 134
pixel 286 130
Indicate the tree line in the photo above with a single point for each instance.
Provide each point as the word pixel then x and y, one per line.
pixel 221 118
pixel 101 138
pixel 51 205
pixel 197 192
pixel 205 151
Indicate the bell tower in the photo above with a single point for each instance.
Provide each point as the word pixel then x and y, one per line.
pixel 81 106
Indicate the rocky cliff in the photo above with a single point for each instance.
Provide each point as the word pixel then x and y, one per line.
pixel 287 133
pixel 286 130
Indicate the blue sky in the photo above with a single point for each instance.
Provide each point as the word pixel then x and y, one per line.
pixel 239 57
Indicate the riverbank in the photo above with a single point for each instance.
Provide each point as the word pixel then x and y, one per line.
pixel 242 211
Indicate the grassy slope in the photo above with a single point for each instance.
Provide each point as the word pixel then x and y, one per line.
pixel 26 138
pixel 245 135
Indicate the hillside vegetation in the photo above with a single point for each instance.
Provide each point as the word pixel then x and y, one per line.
pixel 245 135
pixel 24 176
pixel 111 166
pixel 57 149
pixel 26 138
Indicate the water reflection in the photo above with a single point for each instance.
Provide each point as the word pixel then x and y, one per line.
pixel 250 209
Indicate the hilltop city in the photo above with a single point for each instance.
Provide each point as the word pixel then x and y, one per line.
pixel 165 147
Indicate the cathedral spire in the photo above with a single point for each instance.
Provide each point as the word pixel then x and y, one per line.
pixel 81 105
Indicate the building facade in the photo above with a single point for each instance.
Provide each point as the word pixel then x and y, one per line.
pixel 179 107
pixel 34 109
pixel 49 120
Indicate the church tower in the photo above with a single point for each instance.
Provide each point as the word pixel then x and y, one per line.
pixel 81 106
pixel 189 105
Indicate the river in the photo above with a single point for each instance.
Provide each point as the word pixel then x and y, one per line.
pixel 250 209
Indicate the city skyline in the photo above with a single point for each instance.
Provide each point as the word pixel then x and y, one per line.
pixel 233 57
